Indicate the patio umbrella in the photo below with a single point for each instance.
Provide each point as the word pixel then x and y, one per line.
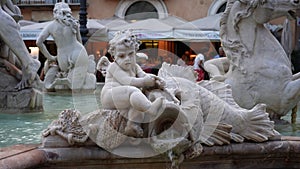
pixel 142 28
pixel 173 21
pixel 206 28
pixel 146 29
pixel 26 22
pixel 108 23
pixel 32 31
pixel 94 25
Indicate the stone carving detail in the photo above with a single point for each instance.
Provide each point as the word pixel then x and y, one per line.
pixel 68 127
pixel 72 68
pixel 190 114
pixel 259 71
pixel 19 83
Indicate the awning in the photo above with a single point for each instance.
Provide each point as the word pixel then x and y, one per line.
pixel 196 35
pixel 31 34
pixel 202 29
pixel 149 29
pixel 33 30
pixel 169 28
pixel 146 29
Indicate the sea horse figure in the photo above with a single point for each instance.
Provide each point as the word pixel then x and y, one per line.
pixel 259 70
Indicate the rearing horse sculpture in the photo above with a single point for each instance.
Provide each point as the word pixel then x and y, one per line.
pixel 260 71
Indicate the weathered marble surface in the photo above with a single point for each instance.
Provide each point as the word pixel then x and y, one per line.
pixel 259 71
pixel 272 154
pixel 72 68
pixel 159 113
pixel 284 153
pixel 20 86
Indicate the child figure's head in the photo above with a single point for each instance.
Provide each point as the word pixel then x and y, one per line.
pixel 123 48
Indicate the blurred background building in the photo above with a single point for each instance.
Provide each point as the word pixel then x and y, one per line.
pixel 167 28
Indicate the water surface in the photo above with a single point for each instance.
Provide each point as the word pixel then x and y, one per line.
pixel 27 128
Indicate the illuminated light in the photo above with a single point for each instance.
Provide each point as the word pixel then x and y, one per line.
pixel 34 52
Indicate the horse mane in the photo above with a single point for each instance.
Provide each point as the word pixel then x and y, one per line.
pixel 225 16
pixel 234 48
pixel 248 11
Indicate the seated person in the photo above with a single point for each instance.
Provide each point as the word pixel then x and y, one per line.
pixel 124 79
pixel 221 53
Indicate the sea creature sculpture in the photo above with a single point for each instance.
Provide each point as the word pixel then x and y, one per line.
pixel 208 115
pixel 190 114
pixel 259 71
pixel 68 127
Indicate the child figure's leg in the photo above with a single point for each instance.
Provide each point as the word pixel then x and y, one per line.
pixel 140 105
pixel 140 102
pixel 133 127
pixel 131 98
pixel 127 97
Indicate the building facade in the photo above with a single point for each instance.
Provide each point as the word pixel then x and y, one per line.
pixel 41 10
pixel 134 10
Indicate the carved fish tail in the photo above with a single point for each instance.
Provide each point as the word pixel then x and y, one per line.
pixel 251 124
pixel 257 124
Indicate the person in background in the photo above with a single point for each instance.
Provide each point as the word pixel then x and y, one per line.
pixel 141 59
pixel 199 65
pixel 221 53
pixel 184 59
pixel 218 68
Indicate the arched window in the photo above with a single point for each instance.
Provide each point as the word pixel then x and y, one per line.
pixel 217 6
pixel 222 8
pixel 141 9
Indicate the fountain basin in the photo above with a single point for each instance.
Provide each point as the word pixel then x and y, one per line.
pixel 281 153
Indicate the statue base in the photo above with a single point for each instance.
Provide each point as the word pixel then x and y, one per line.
pixel 18 101
pixel 23 101
pixel 281 153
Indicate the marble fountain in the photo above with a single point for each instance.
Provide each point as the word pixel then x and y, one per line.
pixel 140 120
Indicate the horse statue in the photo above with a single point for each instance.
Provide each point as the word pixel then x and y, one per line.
pixel 259 71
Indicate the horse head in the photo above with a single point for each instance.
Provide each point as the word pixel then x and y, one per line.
pixel 263 11
pixel 242 17
pixel 257 59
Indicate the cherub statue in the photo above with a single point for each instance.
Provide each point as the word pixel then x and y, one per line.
pixel 124 81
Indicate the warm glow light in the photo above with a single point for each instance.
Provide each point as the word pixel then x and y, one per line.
pixel 34 52
pixel 192 56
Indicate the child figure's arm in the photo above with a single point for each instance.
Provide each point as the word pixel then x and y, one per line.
pixel 125 77
pixel 140 72
pixel 158 81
